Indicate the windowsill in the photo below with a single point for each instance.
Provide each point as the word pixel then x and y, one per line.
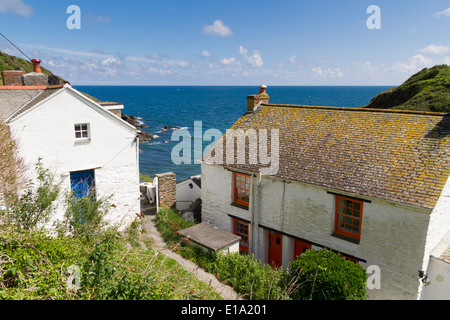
pixel 347 238
pixel 82 140
pixel 238 205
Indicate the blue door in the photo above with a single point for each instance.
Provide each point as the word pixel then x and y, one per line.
pixel 82 183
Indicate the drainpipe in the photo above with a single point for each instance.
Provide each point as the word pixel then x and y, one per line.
pixel 255 212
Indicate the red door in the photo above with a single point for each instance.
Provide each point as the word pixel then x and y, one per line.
pixel 275 249
pixel 300 247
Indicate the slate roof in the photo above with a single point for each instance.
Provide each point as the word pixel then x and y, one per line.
pixel 399 156
pixel 209 236
pixel 16 101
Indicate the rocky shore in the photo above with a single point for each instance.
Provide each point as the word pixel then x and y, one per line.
pixel 142 135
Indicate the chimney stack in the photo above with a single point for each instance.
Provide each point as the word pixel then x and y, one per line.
pixel 37 65
pixel 254 100
pixel 35 78
pixel 12 77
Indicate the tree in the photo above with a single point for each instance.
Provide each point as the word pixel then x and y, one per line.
pixel 328 276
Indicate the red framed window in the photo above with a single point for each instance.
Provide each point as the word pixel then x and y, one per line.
pixel 241 188
pixel 240 228
pixel 348 217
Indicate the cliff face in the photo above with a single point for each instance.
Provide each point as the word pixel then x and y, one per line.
pixel 427 90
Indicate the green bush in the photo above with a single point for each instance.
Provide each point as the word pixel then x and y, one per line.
pixel 85 216
pixel 326 275
pixel 169 222
pixel 249 277
pixel 33 265
pixel 35 204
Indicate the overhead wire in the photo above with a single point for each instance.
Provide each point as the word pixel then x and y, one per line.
pixel 15 46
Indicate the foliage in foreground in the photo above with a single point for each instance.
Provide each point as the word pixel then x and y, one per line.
pixel 34 265
pixel 84 259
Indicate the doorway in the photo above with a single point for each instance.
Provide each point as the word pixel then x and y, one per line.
pixel 275 256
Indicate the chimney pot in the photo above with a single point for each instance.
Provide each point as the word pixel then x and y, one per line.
pixel 254 100
pixel 37 65
pixel 262 88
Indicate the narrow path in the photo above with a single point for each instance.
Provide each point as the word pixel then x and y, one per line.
pixel 158 244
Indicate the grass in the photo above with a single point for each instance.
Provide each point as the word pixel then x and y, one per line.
pixel 427 90
pixel 145 178
pixel 34 266
pixel 8 62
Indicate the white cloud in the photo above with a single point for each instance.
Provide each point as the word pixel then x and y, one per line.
pixel 255 60
pixel 445 13
pixel 17 7
pixel 205 53
pixel 110 61
pixel 414 64
pixel 218 29
pixel 227 62
pixel 328 72
pixel 434 49
pixel 183 64
pixel 292 59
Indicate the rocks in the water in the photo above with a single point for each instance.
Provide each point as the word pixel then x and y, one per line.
pixel 142 135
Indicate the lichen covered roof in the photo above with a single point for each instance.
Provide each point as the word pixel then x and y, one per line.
pixel 12 100
pixel 399 156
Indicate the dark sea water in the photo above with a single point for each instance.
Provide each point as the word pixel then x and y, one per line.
pixel 217 107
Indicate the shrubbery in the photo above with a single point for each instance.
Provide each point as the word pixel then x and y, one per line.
pixel 98 260
pixel 316 274
pixel 326 275
pixel 33 206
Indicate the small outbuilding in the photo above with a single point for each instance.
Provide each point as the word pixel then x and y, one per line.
pixel 211 238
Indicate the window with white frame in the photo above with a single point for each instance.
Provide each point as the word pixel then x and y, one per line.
pixel 82 131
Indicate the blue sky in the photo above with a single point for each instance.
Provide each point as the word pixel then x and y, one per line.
pixel 246 42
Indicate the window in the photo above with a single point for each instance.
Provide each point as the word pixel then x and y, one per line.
pixel 82 131
pixel 348 217
pixel 240 228
pixel 241 189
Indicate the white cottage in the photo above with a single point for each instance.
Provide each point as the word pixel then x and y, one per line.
pixel 372 185
pixel 188 191
pixel 77 139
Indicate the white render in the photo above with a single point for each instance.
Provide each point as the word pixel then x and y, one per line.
pixel 186 195
pixel 396 238
pixel 47 131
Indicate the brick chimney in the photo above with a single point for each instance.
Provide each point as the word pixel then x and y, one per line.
pixel 254 99
pixel 12 77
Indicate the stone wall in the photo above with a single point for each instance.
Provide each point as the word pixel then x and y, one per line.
pixel 167 189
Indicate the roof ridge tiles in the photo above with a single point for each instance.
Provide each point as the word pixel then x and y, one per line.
pixel 359 109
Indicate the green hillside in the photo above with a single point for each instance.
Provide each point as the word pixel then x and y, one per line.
pixel 427 90
pixel 8 62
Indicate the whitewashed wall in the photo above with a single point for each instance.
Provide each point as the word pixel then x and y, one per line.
pixel 186 195
pixel 393 236
pixel 47 131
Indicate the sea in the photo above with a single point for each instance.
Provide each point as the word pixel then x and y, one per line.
pixel 207 107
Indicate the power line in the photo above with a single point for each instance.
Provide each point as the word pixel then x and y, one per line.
pixel 15 46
